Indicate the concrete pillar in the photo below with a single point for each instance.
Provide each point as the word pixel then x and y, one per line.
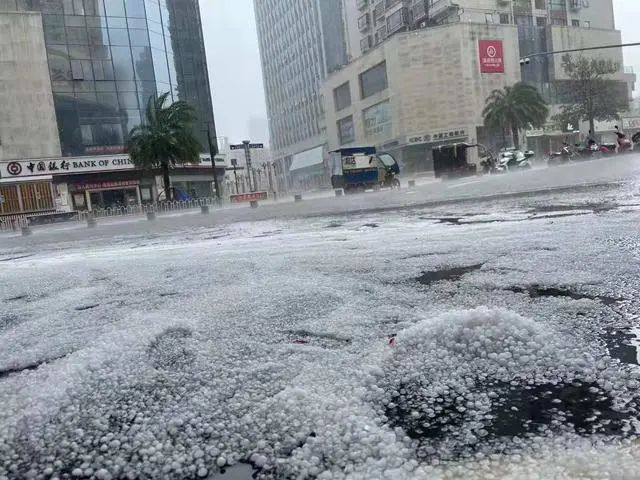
pixel 151 215
pixel 254 204
pixel 412 183
pixel 297 197
pixel 204 209
pixel 87 197
pixel 138 195
pixel 91 222
pixel 339 192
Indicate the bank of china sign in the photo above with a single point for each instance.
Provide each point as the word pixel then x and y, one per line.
pixel 73 165
pixel 491 56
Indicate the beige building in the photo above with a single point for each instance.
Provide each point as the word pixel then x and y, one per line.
pixel 27 117
pixel 419 90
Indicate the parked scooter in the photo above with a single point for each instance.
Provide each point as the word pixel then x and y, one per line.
pixel 560 158
pixel 514 160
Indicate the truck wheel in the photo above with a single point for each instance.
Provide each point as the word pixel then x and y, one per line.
pixel 395 183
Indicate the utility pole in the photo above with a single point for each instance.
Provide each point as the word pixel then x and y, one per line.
pixel 213 150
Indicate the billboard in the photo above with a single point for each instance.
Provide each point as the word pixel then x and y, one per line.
pixel 491 56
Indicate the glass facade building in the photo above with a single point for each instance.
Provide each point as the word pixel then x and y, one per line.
pixel 107 57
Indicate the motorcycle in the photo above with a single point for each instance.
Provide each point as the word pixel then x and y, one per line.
pixel 514 160
pixel 560 158
pixel 624 144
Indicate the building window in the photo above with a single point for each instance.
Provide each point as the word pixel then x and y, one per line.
pixel 541 21
pixel 342 96
pixel 575 23
pixel 561 22
pixel 373 80
pixel 377 120
pixel 541 4
pixel 365 43
pixel 504 18
pixel 364 22
pixel 346 132
pixel 488 17
pixel 586 24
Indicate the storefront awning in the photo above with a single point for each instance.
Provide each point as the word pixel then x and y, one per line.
pixel 308 158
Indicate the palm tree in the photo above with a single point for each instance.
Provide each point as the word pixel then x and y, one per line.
pixel 516 108
pixel 165 138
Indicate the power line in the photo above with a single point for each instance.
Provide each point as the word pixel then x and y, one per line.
pixel 527 58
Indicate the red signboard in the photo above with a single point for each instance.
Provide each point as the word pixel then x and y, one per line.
pixel 491 56
pixel 248 197
pixel 117 184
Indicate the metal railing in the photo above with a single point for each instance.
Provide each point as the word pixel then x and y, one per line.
pixel 160 208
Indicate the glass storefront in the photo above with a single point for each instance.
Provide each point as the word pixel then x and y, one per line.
pixel 107 57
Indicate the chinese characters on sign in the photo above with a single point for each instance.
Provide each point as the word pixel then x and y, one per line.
pixel 437 136
pixel 491 56
pixel 117 184
pixel 248 197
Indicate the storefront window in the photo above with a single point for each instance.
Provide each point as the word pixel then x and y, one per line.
pixel 345 130
pixel 377 120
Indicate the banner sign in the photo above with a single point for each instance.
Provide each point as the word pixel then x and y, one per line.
pixel 248 197
pixel 491 56
pixel 95 164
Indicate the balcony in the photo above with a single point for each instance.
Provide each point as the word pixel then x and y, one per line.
pixel 389 4
pixel 441 8
pixel 575 4
pixel 397 20
pixel 378 11
pixel 364 22
pixel 362 4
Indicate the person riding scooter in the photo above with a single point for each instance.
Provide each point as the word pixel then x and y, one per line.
pixel 624 144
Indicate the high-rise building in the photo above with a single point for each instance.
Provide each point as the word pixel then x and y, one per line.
pixel 301 42
pixel 107 57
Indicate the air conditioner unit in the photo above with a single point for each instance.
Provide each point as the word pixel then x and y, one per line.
pixel 575 4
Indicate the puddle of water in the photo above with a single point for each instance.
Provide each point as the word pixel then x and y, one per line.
pixel 16 258
pixel 87 307
pixel 451 274
pixel 27 368
pixel 624 345
pixel 536 291
pixel 240 471
pixel 516 410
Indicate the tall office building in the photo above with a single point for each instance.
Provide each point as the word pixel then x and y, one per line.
pixel 301 42
pixel 107 57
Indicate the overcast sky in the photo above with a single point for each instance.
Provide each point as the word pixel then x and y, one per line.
pixel 234 60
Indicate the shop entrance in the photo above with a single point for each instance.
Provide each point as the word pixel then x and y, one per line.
pixel 124 197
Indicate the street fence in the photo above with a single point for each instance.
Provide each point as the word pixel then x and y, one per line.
pixel 159 208
pixel 16 222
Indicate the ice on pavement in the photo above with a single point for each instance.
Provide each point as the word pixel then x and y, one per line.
pixel 308 349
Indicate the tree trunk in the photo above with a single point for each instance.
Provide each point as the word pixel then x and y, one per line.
pixel 592 126
pixel 166 180
pixel 516 137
